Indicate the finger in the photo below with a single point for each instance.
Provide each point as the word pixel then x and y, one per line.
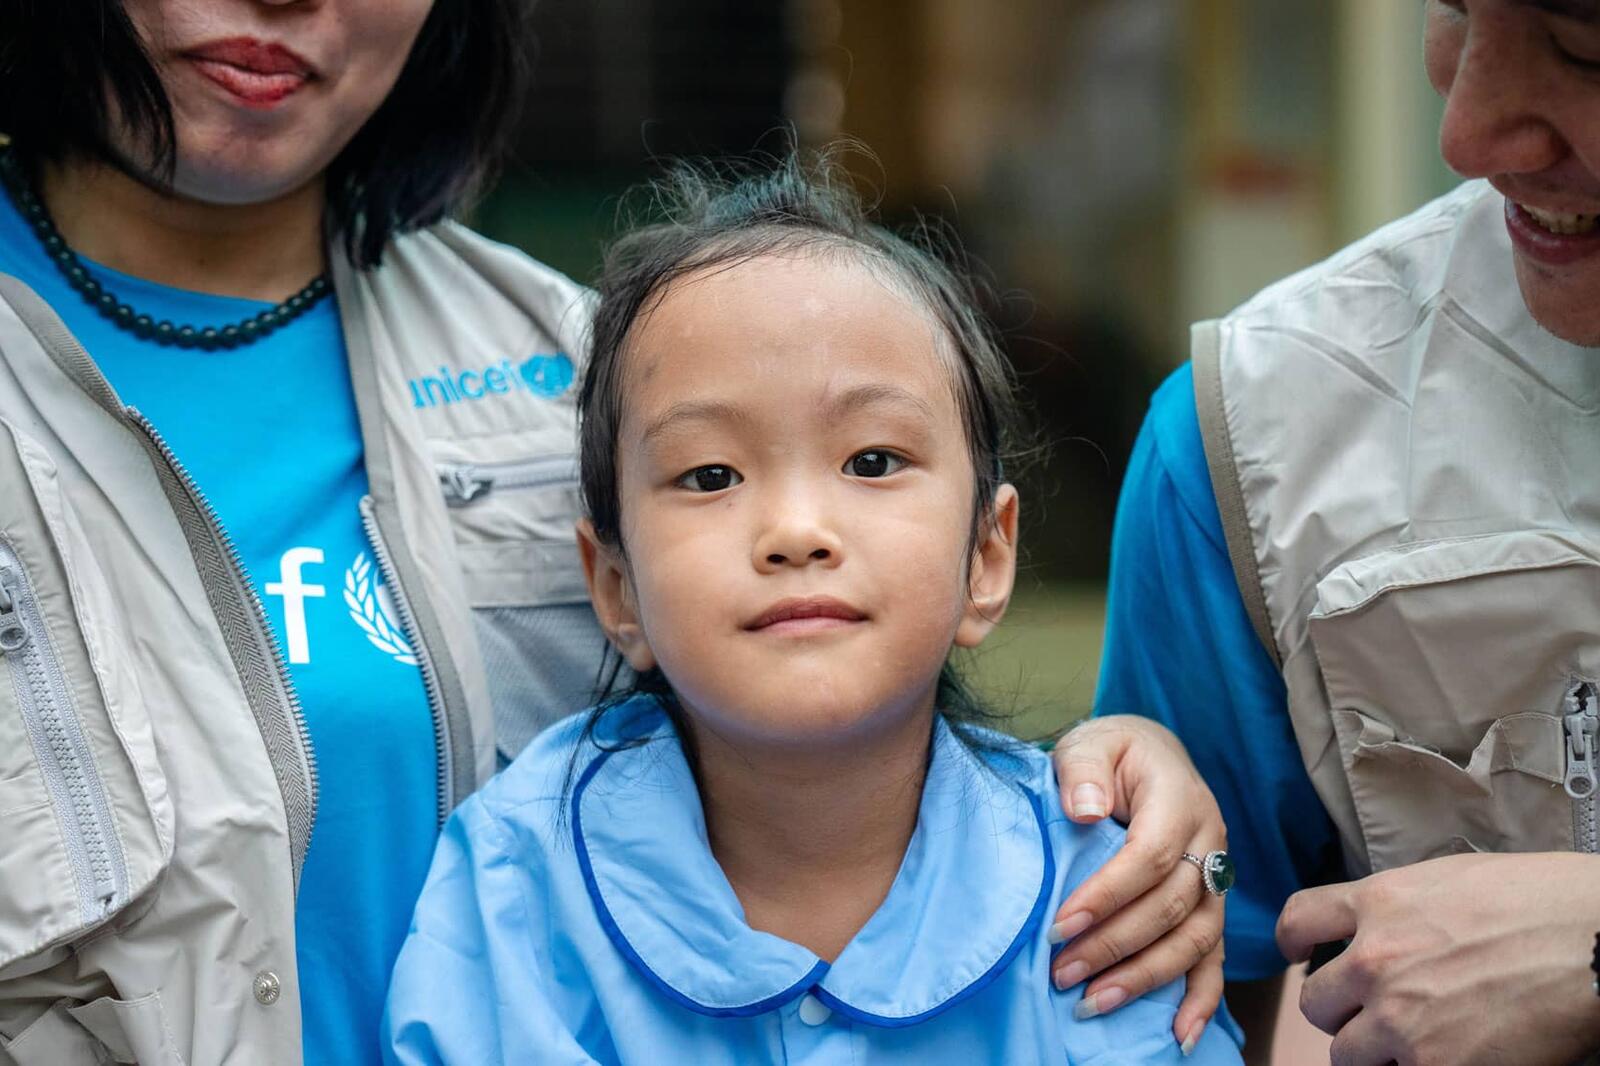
pixel 1201 997
pixel 1317 916
pixel 1359 1043
pixel 1161 963
pixel 1134 928
pixel 1333 995
pixel 1085 768
pixel 1144 861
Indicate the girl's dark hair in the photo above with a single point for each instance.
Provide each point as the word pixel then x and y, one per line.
pixel 68 66
pixel 718 216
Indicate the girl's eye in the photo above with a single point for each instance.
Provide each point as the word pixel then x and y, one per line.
pixel 874 462
pixel 710 479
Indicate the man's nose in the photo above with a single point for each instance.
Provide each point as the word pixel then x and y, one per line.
pixel 1498 114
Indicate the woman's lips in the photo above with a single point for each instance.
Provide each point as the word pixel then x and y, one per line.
pixel 257 73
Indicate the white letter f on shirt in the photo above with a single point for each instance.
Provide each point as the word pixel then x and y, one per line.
pixel 294 593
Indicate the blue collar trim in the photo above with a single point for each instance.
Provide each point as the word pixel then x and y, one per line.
pixel 609 924
pixel 1024 935
pixel 971 892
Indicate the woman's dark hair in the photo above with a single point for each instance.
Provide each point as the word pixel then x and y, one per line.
pixel 710 217
pixel 67 67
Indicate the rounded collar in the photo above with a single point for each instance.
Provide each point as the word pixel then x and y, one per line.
pixel 972 888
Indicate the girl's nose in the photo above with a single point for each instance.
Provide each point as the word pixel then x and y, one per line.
pixel 795 539
pixel 1497 117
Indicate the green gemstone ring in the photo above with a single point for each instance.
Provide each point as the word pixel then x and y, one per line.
pixel 1216 870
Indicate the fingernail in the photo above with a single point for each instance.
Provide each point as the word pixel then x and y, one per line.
pixel 1070 975
pixel 1102 1002
pixel 1187 1047
pixel 1069 927
pixel 1088 801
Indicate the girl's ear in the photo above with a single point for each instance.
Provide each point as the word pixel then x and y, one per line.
pixel 612 595
pixel 993 571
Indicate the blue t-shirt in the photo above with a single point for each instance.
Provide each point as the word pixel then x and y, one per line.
pixel 1180 648
pixel 581 918
pixel 269 433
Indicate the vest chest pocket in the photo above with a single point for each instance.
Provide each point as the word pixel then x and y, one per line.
pixel 85 827
pixel 1457 673
pixel 514 525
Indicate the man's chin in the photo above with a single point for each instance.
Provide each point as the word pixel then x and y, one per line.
pixel 1563 307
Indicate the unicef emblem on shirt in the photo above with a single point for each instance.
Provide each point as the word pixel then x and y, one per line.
pixel 372 608
pixel 548 375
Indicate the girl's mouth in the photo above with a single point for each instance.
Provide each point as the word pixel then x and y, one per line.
pixel 805 615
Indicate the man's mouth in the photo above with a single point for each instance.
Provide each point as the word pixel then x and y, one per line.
pixel 1565 223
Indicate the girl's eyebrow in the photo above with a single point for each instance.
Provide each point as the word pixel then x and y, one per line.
pixel 876 395
pixel 695 411
pixel 879 394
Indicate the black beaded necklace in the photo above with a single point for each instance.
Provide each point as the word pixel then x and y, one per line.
pixel 209 338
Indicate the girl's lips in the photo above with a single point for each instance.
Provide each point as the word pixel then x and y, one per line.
pixel 805 615
pixel 1540 244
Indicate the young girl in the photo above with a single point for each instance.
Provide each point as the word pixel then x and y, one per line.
pixel 787 842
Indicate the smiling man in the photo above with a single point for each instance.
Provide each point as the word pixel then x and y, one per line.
pixel 1371 506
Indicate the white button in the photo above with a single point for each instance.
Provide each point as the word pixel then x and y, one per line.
pixel 267 988
pixel 813 1011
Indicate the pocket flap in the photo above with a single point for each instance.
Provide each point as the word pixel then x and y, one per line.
pixel 54 1039
pixel 133 1030
pixel 1357 583
pixel 1528 743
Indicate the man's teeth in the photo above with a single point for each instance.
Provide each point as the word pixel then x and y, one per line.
pixel 1562 222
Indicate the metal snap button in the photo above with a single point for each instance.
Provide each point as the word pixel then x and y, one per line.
pixel 813 1011
pixel 267 988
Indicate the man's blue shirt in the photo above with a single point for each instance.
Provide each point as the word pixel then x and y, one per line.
pixel 1180 648
pixel 270 435
pixel 575 914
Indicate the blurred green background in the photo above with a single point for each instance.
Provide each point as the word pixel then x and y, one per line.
pixel 1119 168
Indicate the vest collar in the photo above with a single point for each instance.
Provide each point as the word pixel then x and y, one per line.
pixel 971 890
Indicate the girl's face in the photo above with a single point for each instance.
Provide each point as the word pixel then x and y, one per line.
pixel 265 93
pixel 796 498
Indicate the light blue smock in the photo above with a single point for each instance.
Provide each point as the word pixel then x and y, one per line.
pixel 575 914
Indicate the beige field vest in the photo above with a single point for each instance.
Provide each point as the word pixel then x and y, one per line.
pixel 1408 470
pixel 157 791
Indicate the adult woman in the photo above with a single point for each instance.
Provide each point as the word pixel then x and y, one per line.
pixel 180 447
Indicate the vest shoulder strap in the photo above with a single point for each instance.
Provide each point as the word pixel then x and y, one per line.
pixel 1206 354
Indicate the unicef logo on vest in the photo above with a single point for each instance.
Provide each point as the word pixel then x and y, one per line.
pixel 543 374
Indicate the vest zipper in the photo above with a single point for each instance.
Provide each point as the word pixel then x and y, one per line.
pixel 464 482
pixel 1582 723
pixel 63 756
pixel 443 782
pixel 259 662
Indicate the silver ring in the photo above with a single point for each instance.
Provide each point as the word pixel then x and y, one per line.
pixel 1216 871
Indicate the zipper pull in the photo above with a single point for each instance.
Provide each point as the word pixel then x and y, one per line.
pixel 1582 724
pixel 463 484
pixel 13 634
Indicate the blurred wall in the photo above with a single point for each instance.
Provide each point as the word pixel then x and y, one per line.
pixel 1119 168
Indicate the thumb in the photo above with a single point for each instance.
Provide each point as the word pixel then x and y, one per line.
pixel 1084 761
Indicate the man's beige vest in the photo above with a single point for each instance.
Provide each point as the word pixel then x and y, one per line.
pixel 157 791
pixel 1408 470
